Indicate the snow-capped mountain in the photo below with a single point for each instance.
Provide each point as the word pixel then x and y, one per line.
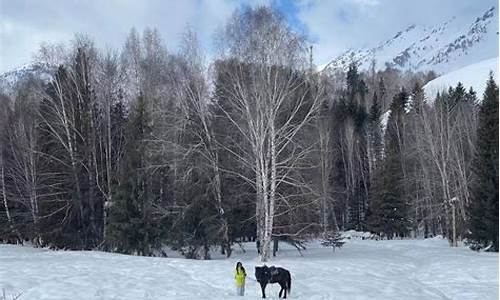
pixel 10 78
pixel 445 47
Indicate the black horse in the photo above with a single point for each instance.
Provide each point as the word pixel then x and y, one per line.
pixel 265 275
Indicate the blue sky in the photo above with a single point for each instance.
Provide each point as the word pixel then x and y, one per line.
pixel 290 10
pixel 333 26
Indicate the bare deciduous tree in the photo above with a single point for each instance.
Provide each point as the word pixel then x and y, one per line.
pixel 274 100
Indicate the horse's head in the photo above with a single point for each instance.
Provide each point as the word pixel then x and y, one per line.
pixel 262 274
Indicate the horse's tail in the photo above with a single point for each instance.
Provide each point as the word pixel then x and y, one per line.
pixel 289 283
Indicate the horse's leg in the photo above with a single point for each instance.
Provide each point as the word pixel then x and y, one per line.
pixel 281 291
pixel 263 287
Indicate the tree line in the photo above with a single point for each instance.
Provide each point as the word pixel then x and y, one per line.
pixel 140 149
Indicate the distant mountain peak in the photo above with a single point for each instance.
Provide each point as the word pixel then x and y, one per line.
pixel 10 78
pixel 445 47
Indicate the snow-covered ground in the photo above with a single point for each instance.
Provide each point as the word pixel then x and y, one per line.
pixel 474 75
pixel 363 269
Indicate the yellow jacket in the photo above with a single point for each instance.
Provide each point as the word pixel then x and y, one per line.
pixel 240 276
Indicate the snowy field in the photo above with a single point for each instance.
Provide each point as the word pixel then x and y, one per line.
pixel 363 269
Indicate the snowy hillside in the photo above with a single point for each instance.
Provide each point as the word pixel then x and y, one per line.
pixel 474 75
pixel 10 78
pixel 443 48
pixel 363 269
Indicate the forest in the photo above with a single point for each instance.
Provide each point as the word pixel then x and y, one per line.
pixel 142 148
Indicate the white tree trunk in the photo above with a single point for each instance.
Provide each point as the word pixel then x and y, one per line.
pixel 4 193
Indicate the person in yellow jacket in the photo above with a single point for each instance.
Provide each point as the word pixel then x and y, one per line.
pixel 240 279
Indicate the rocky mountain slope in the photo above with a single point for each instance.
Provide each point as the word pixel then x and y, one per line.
pixel 445 47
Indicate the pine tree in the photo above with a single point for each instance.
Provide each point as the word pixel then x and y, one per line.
pixel 355 144
pixel 333 239
pixel 351 168
pixel 388 211
pixel 375 132
pixel 382 93
pixel 130 228
pixel 484 204
pixel 356 86
pixel 415 169
pixel 197 228
pixel 417 99
pixel 353 80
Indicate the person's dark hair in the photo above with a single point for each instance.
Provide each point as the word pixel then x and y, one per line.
pixel 238 264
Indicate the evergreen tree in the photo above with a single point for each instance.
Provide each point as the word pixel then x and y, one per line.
pixel 457 94
pixel 388 211
pixel 356 86
pixel 68 140
pixel 415 169
pixel 333 239
pixel 131 228
pixel 471 96
pixel 197 228
pixel 375 132
pixel 382 94
pixel 351 167
pixel 417 99
pixel 353 80
pixel 484 204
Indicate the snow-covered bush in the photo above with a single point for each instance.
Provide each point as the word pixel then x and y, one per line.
pixel 333 239
pixel 362 235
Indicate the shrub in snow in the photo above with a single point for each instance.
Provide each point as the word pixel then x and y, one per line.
pixel 12 296
pixel 478 246
pixel 332 239
pixel 362 235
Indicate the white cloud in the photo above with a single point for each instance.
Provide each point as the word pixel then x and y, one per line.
pixel 25 24
pixel 335 25
pixel 19 41
pixel 365 2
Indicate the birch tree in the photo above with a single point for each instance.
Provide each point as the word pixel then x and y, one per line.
pixel 25 163
pixel 449 135
pixel 69 121
pixel 195 103
pixel 266 85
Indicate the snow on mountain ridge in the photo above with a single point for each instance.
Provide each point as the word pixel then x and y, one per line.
pixel 9 79
pixel 447 46
pixel 474 75
pixel 475 34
